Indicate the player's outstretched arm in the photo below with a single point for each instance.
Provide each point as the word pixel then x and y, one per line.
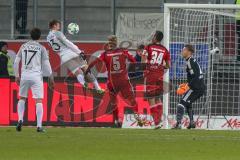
pixel 68 43
pixel 47 67
pixel 48 70
pixel 133 64
pixel 16 66
pixel 130 57
pixel 93 63
pixel 16 70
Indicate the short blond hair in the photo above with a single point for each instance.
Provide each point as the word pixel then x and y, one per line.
pixel 112 39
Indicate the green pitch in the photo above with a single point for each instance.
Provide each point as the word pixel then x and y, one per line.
pixel 118 144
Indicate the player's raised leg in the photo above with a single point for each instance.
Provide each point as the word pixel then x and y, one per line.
pixel 91 78
pixel 78 67
pixel 69 53
pixel 80 78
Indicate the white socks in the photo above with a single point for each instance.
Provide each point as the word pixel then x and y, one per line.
pixel 80 79
pixel 20 109
pixel 96 85
pixel 39 113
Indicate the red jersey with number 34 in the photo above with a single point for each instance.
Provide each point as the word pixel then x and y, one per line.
pixel 115 61
pixel 156 55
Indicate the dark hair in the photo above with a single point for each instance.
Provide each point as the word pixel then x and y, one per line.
pixel 53 22
pixel 2 43
pixel 159 36
pixel 141 46
pixel 35 34
pixel 190 48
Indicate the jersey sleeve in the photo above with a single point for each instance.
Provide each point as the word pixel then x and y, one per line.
pixel 17 62
pixel 145 51
pixel 167 56
pixel 47 67
pixel 19 54
pixel 45 62
pixel 101 56
pixel 129 56
pixel 68 43
pixel 195 72
pixel 45 55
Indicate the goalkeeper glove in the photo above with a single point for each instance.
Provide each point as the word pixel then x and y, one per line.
pixel 183 88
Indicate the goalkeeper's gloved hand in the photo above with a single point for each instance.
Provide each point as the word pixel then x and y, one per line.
pixel 183 85
pixel 183 88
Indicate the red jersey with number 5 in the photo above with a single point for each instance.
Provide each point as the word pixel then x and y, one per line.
pixel 156 55
pixel 115 61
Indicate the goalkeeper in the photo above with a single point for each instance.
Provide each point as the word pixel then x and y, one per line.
pixel 196 87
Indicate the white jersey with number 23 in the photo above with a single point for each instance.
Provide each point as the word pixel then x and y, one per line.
pixel 61 45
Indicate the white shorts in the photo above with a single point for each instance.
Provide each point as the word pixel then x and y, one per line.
pixel 67 55
pixel 73 61
pixel 36 86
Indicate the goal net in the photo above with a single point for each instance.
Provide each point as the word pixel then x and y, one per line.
pixel 213 31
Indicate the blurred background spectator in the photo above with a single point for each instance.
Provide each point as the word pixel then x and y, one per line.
pixel 6 64
pixel 137 72
pixel 21 17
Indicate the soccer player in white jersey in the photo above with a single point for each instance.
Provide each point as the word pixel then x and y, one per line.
pixel 34 58
pixel 71 56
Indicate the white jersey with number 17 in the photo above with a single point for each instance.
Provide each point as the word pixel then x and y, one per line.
pixel 32 55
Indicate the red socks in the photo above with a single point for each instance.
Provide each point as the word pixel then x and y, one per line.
pixel 115 114
pixel 135 108
pixel 156 112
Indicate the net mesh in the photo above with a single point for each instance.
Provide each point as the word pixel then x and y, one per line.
pixel 214 34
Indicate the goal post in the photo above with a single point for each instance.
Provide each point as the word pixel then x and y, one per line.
pixel 212 30
pixel 166 95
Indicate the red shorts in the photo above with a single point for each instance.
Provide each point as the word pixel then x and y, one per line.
pixel 123 87
pixel 153 84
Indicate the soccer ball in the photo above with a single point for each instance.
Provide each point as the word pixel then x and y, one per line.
pixel 73 28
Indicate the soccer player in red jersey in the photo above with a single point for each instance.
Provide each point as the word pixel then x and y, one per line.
pixel 157 58
pixel 118 80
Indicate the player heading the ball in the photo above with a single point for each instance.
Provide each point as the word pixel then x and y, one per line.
pixel 71 56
